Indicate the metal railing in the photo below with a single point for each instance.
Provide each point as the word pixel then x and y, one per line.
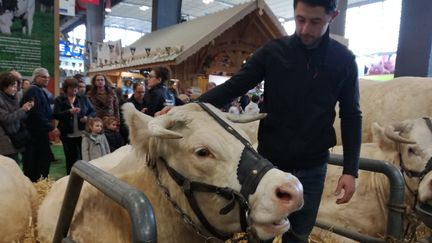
pixel 396 197
pixel 134 201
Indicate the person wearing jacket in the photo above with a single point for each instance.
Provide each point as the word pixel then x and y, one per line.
pixel 103 97
pixel 305 75
pixel 94 143
pixel 159 96
pixel 72 111
pixel 37 154
pixel 11 114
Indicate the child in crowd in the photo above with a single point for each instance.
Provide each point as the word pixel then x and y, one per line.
pixel 235 107
pixel 115 139
pixel 252 107
pixel 94 143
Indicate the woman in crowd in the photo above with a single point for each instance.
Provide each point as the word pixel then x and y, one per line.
pixel 11 114
pixel 72 111
pixel 158 95
pixel 103 97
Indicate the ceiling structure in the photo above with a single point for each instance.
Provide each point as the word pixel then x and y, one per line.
pixel 136 15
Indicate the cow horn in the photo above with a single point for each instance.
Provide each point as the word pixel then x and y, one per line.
pixel 390 132
pixel 158 127
pixel 244 118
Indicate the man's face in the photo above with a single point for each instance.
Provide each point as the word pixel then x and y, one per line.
pixel 311 22
pixel 139 92
pixel 42 79
pixel 81 88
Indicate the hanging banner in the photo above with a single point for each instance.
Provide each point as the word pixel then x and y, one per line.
pixel 29 43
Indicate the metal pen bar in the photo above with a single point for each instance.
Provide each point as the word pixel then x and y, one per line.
pixel 396 197
pixel 134 201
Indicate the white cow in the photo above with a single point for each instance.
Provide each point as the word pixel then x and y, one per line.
pixel 392 101
pixel 20 9
pixel 16 203
pixel 366 213
pixel 196 146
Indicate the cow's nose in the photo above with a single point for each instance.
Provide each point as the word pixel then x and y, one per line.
pixel 289 194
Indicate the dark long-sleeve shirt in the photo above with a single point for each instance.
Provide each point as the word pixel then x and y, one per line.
pixel 39 117
pixel 301 89
pixel 62 114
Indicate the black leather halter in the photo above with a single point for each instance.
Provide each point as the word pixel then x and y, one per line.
pixel 250 171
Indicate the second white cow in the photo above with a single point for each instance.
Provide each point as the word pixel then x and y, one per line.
pixel 409 141
pixel 387 102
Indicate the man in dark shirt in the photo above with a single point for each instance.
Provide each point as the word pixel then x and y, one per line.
pixel 137 99
pixel 305 75
pixel 37 154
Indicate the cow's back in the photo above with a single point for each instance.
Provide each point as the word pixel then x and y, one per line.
pixel 396 100
pixel 17 201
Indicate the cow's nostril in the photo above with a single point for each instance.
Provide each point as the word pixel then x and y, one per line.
pixel 283 194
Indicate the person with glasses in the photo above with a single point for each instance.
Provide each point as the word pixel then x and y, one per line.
pixel 159 96
pixel 305 75
pixel 137 99
pixel 72 110
pixel 37 154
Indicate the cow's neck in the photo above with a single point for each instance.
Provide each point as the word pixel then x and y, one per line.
pixel 170 226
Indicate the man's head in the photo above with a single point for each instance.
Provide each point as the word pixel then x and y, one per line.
pixel 312 18
pixel 139 91
pixel 41 77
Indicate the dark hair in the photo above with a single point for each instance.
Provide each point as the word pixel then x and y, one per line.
pixel 329 5
pixel 69 82
pixel 135 85
pixel 79 77
pixel 255 98
pixel 7 79
pixel 108 84
pixel 163 73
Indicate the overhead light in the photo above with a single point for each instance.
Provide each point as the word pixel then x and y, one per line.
pixel 207 1
pixel 144 8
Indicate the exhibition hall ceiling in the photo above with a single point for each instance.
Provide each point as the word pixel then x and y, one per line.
pixel 136 14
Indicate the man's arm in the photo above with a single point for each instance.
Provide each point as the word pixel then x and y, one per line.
pixel 350 115
pixel 351 121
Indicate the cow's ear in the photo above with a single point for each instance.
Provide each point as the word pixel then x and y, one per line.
pixel 137 123
pixel 381 139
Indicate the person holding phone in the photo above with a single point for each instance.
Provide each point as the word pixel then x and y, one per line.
pixel 11 114
pixel 72 110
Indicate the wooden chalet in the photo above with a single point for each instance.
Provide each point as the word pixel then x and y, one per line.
pixel 214 44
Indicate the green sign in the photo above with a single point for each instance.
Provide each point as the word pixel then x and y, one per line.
pixel 27 36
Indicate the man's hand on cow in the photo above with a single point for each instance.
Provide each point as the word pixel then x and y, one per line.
pixel 346 184
pixel 164 110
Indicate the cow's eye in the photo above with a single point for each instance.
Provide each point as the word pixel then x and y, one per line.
pixel 202 152
pixel 411 151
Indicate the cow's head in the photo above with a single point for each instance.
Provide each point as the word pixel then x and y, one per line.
pixel 412 139
pixel 192 145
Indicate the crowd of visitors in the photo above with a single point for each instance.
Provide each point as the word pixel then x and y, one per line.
pixel 89 123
